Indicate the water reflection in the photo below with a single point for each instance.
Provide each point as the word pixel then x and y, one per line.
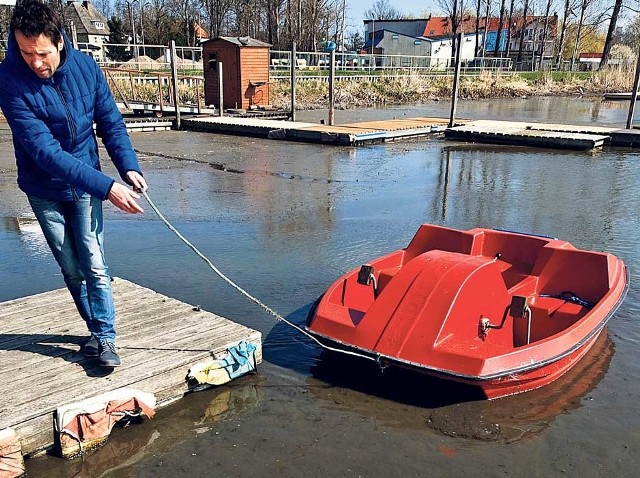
pixel 29 232
pixel 195 415
pixel 453 409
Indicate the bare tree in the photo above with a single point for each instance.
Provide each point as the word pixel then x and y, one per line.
pixel 525 12
pixel 545 31
pixel 383 10
pixel 475 51
pixel 217 10
pixel 569 5
pixel 455 11
pixel 617 6
pixel 499 32
pixel 509 27
pixel 583 9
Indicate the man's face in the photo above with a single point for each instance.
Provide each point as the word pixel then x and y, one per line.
pixel 42 56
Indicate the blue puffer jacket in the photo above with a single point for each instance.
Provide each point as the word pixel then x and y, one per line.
pixel 52 125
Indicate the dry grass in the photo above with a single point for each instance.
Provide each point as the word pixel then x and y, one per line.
pixel 614 79
pixel 413 88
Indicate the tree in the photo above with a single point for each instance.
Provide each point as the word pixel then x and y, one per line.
pixel 623 53
pixel 354 41
pixel 455 11
pixel 544 31
pixel 631 34
pixel 382 10
pixel 496 51
pixel 617 6
pixel 523 27
pixel 117 38
pixel 477 46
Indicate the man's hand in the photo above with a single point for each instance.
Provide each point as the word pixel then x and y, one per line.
pixel 124 198
pixel 137 181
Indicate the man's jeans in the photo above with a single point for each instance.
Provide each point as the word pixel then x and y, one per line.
pixel 73 230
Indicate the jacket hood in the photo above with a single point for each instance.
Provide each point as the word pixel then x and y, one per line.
pixel 15 57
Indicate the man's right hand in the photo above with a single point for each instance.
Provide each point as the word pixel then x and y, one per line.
pixel 124 198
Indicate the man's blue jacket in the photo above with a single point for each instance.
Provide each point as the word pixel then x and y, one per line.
pixel 52 125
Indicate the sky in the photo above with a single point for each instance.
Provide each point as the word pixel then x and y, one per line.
pixel 356 9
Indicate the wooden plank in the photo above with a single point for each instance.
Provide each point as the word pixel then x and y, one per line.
pixel 525 134
pixel 42 371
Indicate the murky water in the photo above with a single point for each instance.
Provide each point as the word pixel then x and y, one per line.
pixel 284 220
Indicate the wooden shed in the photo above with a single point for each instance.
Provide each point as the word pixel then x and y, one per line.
pixel 245 71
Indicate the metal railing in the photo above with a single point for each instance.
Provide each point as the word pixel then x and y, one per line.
pixel 358 65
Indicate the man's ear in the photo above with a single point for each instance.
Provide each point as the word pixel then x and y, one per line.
pixel 61 44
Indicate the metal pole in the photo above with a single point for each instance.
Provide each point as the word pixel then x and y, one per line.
pixel 74 35
pixel 174 81
pixel 332 77
pixel 220 90
pixel 144 52
pixel 456 80
pixel 634 95
pixel 293 82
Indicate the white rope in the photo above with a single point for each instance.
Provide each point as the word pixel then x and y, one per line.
pixel 244 292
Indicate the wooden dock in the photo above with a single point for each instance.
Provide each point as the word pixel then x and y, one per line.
pixel 159 339
pixel 352 134
pixel 578 137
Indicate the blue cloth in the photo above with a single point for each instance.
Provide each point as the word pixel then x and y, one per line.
pixel 241 359
pixel 74 232
pixel 52 125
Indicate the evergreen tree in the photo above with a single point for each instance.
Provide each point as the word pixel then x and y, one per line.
pixel 117 37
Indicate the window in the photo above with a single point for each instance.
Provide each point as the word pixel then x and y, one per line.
pixel 98 25
pixel 417 42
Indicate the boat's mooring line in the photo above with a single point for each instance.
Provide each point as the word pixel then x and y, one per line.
pixel 244 292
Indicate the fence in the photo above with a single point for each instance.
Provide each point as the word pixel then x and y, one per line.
pixel 356 65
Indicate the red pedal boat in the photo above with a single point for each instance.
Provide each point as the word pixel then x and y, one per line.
pixel 504 311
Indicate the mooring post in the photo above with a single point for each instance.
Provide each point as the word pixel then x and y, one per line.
pixel 293 81
pixel 220 91
pixel 174 81
pixel 332 77
pixel 456 80
pixel 634 94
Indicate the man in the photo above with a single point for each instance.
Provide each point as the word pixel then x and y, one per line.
pixel 51 96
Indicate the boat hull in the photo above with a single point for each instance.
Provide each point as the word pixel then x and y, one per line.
pixel 489 309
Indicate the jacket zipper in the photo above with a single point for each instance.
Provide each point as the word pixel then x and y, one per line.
pixel 72 130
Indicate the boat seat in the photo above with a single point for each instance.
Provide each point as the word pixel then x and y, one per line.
pixel 549 316
pixel 385 275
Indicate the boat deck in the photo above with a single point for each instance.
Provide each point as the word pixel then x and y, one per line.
pixel 43 368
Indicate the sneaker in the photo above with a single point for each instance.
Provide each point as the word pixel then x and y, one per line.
pixel 90 348
pixel 108 355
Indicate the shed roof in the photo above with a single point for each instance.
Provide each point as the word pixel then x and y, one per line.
pixel 84 14
pixel 242 41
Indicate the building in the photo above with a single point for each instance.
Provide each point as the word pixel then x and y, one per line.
pixel 539 35
pixel 407 40
pixel 88 28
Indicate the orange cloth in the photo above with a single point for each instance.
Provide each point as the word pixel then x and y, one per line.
pixel 11 461
pixel 91 421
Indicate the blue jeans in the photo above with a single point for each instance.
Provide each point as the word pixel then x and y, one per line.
pixel 74 232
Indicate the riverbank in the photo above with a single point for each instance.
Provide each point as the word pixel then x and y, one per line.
pixel 414 89
pixel 418 89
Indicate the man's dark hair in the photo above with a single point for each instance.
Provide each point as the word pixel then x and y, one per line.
pixel 33 18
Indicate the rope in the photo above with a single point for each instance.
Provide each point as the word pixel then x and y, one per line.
pixel 244 292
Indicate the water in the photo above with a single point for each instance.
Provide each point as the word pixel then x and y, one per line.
pixel 284 220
